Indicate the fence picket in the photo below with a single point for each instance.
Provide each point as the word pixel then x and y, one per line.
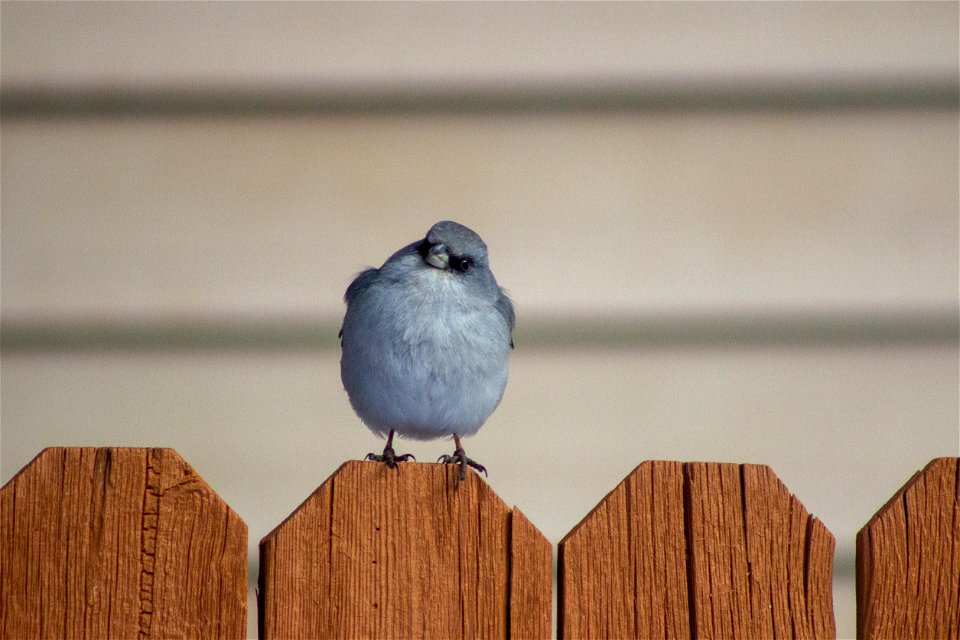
pixel 118 542
pixel 127 542
pixel 681 550
pixel 376 552
pixel 908 559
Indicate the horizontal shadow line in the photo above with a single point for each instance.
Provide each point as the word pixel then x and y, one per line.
pixel 27 101
pixel 928 327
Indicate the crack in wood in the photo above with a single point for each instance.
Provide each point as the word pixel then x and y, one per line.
pixel 148 539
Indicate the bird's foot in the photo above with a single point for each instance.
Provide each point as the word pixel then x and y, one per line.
pixel 459 457
pixel 390 457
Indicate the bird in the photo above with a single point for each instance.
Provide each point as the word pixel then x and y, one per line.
pixel 425 343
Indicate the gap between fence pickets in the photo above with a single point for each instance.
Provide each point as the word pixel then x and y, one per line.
pixel 561 582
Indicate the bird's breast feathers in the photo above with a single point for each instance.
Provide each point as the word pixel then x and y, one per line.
pixel 445 314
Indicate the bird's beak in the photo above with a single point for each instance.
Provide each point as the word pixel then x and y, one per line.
pixel 438 257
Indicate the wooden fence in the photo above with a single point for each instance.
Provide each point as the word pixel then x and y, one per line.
pixel 132 543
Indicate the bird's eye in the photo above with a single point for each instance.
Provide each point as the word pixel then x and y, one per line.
pixel 464 265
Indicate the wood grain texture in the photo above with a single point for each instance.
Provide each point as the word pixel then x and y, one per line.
pixel 633 537
pixel 118 542
pixel 908 559
pixel 704 550
pixel 531 580
pixel 374 553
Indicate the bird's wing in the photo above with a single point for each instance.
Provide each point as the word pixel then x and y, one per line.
pixel 363 280
pixel 505 307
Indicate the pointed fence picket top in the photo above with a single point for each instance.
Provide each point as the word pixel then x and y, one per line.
pixel 708 550
pixel 378 552
pixel 908 559
pixel 119 542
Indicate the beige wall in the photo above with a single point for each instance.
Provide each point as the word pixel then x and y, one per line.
pixel 731 232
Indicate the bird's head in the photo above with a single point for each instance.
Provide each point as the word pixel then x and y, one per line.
pixel 452 247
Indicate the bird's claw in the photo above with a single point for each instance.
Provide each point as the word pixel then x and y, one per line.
pixel 390 458
pixel 459 457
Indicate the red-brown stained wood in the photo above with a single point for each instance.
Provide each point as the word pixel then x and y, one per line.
pixel 531 580
pixel 117 542
pixel 374 553
pixel 702 550
pixel 908 559
pixel 633 537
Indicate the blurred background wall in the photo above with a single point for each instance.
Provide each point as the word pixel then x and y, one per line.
pixel 730 231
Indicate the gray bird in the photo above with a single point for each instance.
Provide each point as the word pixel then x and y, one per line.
pixel 425 341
